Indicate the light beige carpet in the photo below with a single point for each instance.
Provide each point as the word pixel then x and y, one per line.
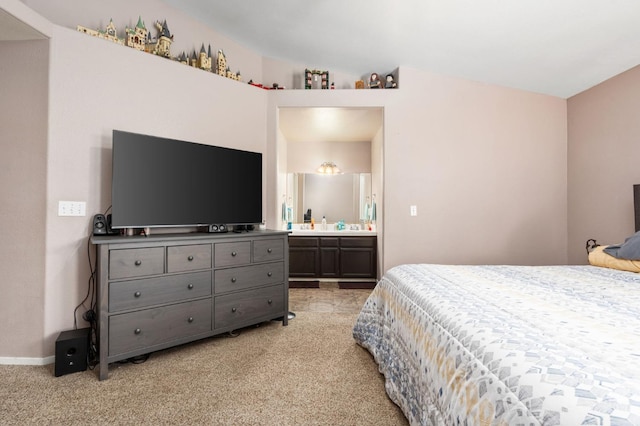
pixel 309 373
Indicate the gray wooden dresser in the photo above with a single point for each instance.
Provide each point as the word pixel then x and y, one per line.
pixel 164 290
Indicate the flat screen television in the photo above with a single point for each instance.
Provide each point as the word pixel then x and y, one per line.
pixel 160 182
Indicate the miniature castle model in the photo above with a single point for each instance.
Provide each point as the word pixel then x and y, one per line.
pixel 163 45
pixel 109 33
pixel 224 70
pixel 137 37
pixel 204 59
pixel 140 39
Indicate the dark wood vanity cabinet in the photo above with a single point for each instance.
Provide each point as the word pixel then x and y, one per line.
pixel 349 260
pixel 304 257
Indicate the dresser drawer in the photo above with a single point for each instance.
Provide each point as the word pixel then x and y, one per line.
pixel 188 258
pixel 129 263
pixel 241 308
pixel 145 292
pixel 244 277
pixel 267 250
pixel 231 254
pixel 144 329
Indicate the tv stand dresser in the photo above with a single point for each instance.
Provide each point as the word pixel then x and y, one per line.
pixel 164 290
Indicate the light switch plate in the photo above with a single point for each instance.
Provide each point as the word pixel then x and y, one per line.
pixel 72 208
pixel 414 210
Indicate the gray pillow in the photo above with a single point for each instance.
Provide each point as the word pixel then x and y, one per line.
pixel 629 250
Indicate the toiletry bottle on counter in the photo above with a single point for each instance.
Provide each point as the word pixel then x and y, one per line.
pixel 313 224
pixel 324 223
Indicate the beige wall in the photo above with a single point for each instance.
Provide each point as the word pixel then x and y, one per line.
pixel 485 165
pixel 604 149
pixel 350 157
pixel 118 88
pixel 486 168
pixel 23 168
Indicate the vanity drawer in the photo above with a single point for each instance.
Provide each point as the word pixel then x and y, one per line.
pixel 129 263
pixel 150 327
pixel 145 292
pixel 267 250
pixel 243 307
pixel 231 254
pixel 188 258
pixel 358 242
pixel 233 279
pixel 303 241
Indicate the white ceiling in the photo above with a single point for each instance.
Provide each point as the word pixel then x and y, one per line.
pixel 555 47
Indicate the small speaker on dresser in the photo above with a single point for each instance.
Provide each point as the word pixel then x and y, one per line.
pixel 218 228
pixel 72 347
pixel 99 225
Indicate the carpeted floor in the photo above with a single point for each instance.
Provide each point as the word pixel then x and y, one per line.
pixel 309 373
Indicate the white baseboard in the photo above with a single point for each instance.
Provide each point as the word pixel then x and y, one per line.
pixel 27 361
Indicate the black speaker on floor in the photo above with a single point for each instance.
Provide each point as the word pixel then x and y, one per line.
pixel 72 347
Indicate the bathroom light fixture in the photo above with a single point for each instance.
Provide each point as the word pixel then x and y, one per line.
pixel 329 168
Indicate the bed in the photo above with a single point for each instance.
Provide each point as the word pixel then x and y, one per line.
pixel 507 345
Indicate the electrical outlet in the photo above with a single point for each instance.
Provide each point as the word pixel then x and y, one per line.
pixel 414 210
pixel 72 208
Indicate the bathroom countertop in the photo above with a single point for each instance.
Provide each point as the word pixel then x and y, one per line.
pixel 332 233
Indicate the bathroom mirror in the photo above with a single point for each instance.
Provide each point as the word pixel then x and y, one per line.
pixel 336 197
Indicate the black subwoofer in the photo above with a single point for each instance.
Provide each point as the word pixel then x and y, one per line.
pixel 72 347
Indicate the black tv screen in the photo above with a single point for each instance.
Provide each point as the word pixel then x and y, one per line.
pixel 160 182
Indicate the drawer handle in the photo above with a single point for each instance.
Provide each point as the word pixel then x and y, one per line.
pixel 269 250
pixel 137 331
pixel 234 279
pixel 137 294
pixel 233 309
pixel 190 286
pixel 190 258
pixel 190 319
pixel 269 301
pixel 269 274
pixel 138 262
pixel 234 254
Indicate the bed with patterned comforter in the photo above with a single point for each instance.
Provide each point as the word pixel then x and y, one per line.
pixel 507 345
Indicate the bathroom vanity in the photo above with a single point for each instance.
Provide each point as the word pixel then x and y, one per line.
pixel 346 257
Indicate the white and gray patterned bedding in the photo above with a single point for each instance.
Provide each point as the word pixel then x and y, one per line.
pixel 507 345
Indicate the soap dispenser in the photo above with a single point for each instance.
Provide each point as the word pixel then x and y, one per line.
pixel 324 223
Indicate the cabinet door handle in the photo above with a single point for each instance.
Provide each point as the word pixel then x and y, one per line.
pixel 269 301
pixel 190 258
pixel 137 331
pixel 138 262
pixel 269 250
pixel 233 280
pixel 190 319
pixel 137 294
pixel 190 286
pixel 234 254
pixel 233 310
pixel 269 274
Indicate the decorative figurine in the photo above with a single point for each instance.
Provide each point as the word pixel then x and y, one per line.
pixel 391 82
pixel 312 75
pixel 360 84
pixel 374 81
